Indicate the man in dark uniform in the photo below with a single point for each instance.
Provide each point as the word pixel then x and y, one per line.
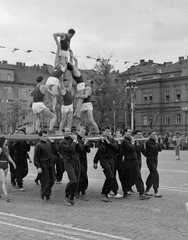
pixel 152 149
pixel 106 155
pixel 20 150
pixel 83 181
pixel 130 166
pixel 44 162
pixel 69 149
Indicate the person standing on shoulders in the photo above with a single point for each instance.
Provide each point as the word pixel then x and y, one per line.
pixel 63 46
pixel 38 106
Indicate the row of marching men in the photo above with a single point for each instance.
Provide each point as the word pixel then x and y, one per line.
pixel 122 156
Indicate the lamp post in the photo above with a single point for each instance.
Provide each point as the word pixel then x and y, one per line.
pixel 114 102
pixel 131 86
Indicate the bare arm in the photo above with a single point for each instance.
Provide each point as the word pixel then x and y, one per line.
pixel 86 94
pixel 44 89
pixel 56 35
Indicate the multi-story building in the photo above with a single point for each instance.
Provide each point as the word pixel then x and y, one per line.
pixel 16 81
pixel 161 101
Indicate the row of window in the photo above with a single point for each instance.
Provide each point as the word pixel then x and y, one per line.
pixel 148 97
pixel 149 120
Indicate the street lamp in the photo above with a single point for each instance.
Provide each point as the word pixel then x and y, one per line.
pixel 114 102
pixel 131 86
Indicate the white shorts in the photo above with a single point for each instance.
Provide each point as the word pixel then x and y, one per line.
pixel 87 106
pixel 67 108
pixel 37 107
pixel 63 54
pixel 81 86
pixel 52 81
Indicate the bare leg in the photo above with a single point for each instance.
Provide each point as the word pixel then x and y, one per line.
pixel 3 174
pixel 79 104
pixel 69 119
pixel 63 119
pixel 38 122
pixel 91 120
pixel 54 99
pixel 48 113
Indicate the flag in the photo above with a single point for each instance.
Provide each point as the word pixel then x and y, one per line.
pixel 28 51
pixel 53 52
pixel 2 47
pixel 15 49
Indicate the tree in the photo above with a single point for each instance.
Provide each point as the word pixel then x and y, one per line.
pixel 14 114
pixel 105 91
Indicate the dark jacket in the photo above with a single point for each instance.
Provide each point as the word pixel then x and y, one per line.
pixel 140 149
pixel 85 149
pixel 106 151
pixel 128 149
pixel 152 149
pixel 70 150
pixel 43 153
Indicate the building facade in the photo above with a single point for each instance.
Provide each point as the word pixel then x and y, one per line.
pixel 161 100
pixel 16 82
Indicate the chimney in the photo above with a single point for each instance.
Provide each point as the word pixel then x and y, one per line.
pixel 44 67
pixel 23 65
pixel 4 62
pixel 19 64
pixel 142 61
pixel 150 61
pixel 167 64
pixel 181 59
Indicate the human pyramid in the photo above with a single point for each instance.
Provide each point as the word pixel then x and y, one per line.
pixel 121 154
pixel 58 84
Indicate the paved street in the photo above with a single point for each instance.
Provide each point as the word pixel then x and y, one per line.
pixel 27 217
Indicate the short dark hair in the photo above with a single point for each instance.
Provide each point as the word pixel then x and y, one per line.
pixel 125 130
pixel 71 31
pixel 2 140
pixel 105 128
pixel 137 131
pixel 42 132
pixel 150 132
pixel 22 130
pixel 39 79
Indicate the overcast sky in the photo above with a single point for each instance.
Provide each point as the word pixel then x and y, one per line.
pixel 130 29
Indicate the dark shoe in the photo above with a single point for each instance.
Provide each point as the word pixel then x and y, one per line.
pixel 157 195
pixel 84 197
pixel 73 202
pixel 144 197
pixel 49 200
pixel 8 199
pixel 67 201
pixel 125 195
pixel 42 196
pixel 104 198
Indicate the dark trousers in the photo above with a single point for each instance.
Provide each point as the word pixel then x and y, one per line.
pixel 73 172
pixel 59 165
pixel 21 171
pixel 47 178
pixel 108 169
pixel 153 178
pixel 83 181
pixel 132 174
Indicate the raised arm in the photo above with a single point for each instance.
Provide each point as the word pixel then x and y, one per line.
pixel 56 35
